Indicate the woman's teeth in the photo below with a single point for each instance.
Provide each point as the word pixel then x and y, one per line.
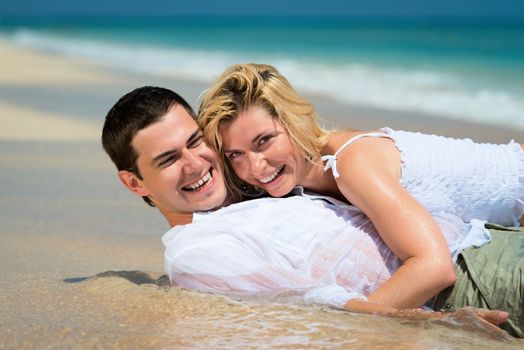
pixel 272 176
pixel 204 180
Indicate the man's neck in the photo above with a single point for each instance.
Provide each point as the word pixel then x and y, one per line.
pixel 174 218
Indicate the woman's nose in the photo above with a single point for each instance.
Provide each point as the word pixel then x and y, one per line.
pixel 257 164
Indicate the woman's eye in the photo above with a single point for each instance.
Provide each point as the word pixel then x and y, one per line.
pixel 264 139
pixel 233 155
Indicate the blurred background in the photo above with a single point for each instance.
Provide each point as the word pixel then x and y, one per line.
pixel 455 59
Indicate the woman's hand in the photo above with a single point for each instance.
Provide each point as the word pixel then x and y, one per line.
pixel 494 317
pixel 468 318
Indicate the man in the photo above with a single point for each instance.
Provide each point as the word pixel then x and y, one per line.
pixel 152 137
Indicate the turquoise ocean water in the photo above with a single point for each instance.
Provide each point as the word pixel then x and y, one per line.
pixel 460 68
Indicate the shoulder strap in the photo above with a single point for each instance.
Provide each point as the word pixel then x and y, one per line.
pixel 358 137
pixel 331 160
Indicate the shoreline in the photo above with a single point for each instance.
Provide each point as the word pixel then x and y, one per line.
pixel 365 118
pixel 73 96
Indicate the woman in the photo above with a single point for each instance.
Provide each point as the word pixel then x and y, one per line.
pixel 269 137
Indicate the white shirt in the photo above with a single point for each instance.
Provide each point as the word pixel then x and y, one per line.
pixel 329 251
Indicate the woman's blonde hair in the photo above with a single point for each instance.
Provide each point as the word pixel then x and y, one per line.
pixel 244 86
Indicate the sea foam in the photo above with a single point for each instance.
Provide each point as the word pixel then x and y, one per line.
pixel 359 83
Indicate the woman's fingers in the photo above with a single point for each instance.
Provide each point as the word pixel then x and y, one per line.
pixel 476 320
pixel 492 316
pixel 468 318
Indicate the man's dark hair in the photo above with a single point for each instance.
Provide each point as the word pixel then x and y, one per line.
pixel 133 112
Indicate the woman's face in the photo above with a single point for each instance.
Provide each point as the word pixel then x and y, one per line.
pixel 261 152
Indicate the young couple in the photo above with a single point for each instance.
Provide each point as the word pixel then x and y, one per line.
pixel 415 226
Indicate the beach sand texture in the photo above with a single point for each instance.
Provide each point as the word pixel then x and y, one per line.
pixel 65 218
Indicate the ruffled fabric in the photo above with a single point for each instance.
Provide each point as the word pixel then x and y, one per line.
pixel 459 176
pixel 458 179
pixel 459 234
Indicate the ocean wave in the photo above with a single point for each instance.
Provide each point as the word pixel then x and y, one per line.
pixel 410 90
pixel 390 88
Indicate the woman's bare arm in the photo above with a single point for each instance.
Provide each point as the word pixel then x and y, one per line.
pixel 369 178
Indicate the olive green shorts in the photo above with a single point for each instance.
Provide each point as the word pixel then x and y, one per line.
pixel 491 277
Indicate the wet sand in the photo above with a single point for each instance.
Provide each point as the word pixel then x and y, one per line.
pixel 65 218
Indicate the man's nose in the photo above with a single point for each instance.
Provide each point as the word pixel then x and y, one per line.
pixel 193 162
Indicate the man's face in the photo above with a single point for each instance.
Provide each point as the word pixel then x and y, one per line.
pixel 180 173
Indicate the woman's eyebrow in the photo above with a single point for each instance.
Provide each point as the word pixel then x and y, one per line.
pixel 259 136
pixel 254 141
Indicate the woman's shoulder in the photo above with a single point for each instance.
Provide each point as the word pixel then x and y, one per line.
pixel 337 139
pixel 377 155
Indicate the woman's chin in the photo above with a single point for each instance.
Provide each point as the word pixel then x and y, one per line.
pixel 281 191
pixel 279 186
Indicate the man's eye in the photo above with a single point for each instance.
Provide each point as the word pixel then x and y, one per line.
pixel 166 162
pixel 197 141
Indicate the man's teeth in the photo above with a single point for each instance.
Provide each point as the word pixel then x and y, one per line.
pixel 204 180
pixel 272 176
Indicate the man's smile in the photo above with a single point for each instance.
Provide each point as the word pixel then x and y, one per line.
pixel 200 183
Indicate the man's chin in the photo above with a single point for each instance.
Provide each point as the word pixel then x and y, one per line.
pixel 213 202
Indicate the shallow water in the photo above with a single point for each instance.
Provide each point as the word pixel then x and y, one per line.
pixel 126 312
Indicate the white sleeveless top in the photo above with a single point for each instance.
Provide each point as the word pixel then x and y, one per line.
pixel 457 176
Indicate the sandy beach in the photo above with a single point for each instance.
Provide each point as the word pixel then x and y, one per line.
pixel 65 218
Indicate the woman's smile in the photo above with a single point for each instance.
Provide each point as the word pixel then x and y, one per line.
pixel 272 177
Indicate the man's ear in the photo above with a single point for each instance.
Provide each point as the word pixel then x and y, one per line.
pixel 132 182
